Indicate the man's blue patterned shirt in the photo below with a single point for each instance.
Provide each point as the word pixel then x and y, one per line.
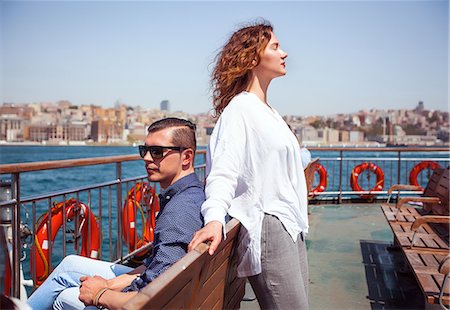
pixel 177 221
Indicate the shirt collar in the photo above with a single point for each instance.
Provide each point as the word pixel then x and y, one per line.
pixel 180 185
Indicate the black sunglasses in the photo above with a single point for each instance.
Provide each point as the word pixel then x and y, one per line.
pixel 157 151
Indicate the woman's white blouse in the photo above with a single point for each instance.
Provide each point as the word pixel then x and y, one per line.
pixel 254 167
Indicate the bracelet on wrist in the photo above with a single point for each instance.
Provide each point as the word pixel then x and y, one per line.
pixel 97 297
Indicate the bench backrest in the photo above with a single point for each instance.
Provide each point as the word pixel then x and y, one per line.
pixel 197 281
pixel 438 186
pixel 309 174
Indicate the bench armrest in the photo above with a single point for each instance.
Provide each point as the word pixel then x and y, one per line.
pixel 427 219
pixel 444 266
pixel 405 187
pixel 405 200
pixel 398 187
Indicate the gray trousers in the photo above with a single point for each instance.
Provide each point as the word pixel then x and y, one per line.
pixel 283 283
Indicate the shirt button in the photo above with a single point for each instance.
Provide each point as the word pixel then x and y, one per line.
pixel 167 197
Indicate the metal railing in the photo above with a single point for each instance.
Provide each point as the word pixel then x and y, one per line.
pixel 394 166
pixel 105 200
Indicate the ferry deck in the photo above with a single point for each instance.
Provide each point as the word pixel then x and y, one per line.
pixel 350 263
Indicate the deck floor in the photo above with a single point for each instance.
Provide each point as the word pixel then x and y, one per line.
pixel 350 264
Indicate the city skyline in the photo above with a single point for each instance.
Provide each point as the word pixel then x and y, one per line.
pixel 343 56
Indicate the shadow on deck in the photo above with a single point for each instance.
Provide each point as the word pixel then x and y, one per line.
pixel 350 264
pixel 389 286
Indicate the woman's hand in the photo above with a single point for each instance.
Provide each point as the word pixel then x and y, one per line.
pixel 211 232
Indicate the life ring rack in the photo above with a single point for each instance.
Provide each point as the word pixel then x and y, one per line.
pixel 356 172
pixel 140 193
pixel 417 169
pixel 73 208
pixel 323 179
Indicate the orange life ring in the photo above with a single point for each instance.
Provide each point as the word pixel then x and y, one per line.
pixel 73 208
pixel 426 164
pixel 141 192
pixel 356 173
pixel 323 179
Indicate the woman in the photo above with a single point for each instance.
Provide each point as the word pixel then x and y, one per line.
pixel 255 172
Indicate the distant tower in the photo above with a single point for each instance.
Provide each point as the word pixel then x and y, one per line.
pixel 165 105
pixel 420 106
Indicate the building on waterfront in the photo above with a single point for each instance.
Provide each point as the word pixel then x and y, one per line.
pixel 11 128
pixel 165 105
pixel 106 131
pixel 55 133
pixel 48 121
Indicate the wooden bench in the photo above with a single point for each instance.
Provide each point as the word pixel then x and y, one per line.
pixel 431 272
pixel 433 232
pixel 434 199
pixel 198 280
pixel 424 239
pixel 310 170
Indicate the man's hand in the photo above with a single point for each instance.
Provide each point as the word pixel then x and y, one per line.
pixel 89 287
pixel 211 232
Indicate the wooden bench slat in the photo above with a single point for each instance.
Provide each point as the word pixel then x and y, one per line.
pixel 427 283
pixel 213 281
pixel 215 298
pixel 425 236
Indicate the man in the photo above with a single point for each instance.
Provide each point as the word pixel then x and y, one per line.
pixel 168 154
pixel 306 156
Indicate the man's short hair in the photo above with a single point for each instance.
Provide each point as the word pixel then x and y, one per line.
pixel 183 133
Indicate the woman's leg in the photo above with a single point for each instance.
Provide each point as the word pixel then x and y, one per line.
pixel 280 285
pixel 68 274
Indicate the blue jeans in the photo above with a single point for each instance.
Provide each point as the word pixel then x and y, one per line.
pixel 62 288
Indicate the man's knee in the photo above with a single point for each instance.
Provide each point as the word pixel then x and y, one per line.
pixel 69 260
pixel 68 299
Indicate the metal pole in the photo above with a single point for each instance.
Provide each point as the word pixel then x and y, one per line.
pixel 398 172
pixel 110 224
pixel 17 246
pixel 100 222
pixel 119 209
pixel 340 176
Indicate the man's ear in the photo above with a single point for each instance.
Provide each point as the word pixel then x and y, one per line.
pixel 188 157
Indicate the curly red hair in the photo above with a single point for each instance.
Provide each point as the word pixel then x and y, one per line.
pixel 242 52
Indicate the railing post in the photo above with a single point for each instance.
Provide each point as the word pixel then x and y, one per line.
pixel 119 209
pixel 16 236
pixel 341 154
pixel 399 172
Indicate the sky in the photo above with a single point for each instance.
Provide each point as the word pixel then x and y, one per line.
pixel 343 56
